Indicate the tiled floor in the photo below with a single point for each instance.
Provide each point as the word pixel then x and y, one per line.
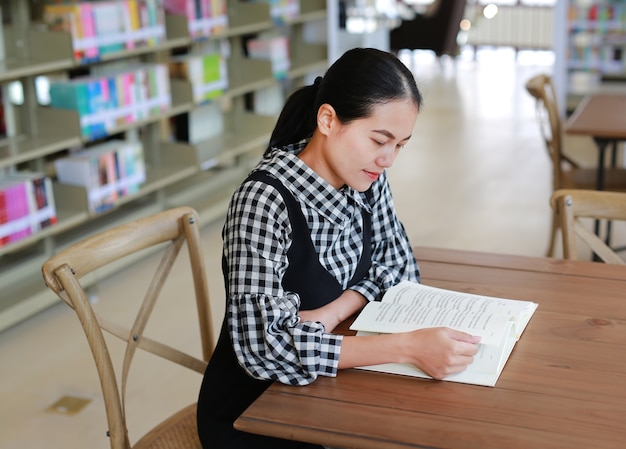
pixel 475 176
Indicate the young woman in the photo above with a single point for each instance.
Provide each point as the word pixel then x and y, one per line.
pixel 311 236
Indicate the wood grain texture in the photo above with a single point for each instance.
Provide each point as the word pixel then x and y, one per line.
pixel 563 386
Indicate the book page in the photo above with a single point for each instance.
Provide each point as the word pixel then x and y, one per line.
pixel 410 306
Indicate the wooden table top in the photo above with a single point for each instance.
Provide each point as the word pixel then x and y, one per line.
pixel 599 115
pixel 564 385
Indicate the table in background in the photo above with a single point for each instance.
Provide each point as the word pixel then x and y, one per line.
pixel 564 385
pixel 602 117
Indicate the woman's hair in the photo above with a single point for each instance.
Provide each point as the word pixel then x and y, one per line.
pixel 359 80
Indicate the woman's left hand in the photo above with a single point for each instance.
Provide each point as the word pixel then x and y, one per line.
pixel 335 312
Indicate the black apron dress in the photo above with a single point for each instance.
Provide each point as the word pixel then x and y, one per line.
pixel 227 390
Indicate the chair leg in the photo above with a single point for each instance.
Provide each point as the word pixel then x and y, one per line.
pixel 553 231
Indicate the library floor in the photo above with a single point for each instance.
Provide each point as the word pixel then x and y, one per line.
pixel 474 176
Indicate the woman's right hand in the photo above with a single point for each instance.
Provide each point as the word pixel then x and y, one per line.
pixel 439 351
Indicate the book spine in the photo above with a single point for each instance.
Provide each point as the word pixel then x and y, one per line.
pixel 91 51
pixel 3 216
pixel 97 127
pixel 120 172
pixel 109 27
pixel 153 21
pixel 163 87
pixel 19 212
pixel 135 23
pixel 44 199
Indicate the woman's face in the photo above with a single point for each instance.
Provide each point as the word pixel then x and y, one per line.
pixel 356 153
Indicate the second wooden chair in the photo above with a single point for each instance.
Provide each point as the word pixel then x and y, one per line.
pixel 571 206
pixel 566 172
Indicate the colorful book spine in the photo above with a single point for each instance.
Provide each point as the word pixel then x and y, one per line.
pixel 45 209
pixel 3 216
pixel 134 22
pixel 18 212
pixel 109 26
pixel 97 129
pixel 91 51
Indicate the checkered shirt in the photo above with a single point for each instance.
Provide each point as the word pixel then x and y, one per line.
pixel 270 341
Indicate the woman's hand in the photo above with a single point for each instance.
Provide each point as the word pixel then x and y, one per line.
pixel 335 312
pixel 437 351
pixel 440 351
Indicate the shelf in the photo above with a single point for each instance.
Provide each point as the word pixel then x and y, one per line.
pixel 58 130
pixel 58 45
pixel 309 58
pixel 55 119
pixel 201 175
pixel 247 75
pixel 243 133
pixel 208 192
pixel 24 296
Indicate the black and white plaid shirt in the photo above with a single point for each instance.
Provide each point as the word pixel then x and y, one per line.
pixel 269 339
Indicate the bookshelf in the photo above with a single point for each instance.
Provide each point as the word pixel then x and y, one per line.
pixel 201 174
pixel 591 53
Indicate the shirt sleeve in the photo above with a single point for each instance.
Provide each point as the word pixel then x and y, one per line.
pixel 269 340
pixel 392 256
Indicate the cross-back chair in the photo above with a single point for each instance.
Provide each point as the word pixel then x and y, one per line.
pixel 572 205
pixel 566 172
pixel 167 231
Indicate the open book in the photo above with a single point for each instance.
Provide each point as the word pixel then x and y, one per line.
pixel 409 306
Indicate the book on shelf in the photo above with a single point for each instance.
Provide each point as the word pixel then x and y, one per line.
pixel 201 123
pixel 205 18
pixel 274 48
pixel 98 28
pixel 107 171
pixel 26 206
pixel 107 100
pixel 282 11
pixel 206 72
pixel 410 306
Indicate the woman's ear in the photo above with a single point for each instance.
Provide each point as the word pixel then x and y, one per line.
pixel 326 118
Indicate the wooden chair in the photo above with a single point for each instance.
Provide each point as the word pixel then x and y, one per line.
pixel 571 205
pixel 166 231
pixel 566 172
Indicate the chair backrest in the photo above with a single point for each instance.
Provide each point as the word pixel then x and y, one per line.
pixel 572 205
pixel 542 89
pixel 166 231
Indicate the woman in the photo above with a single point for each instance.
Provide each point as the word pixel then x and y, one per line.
pixel 310 237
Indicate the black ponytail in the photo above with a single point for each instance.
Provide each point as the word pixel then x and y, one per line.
pixel 298 118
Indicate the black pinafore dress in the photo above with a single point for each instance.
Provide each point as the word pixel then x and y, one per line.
pixel 227 390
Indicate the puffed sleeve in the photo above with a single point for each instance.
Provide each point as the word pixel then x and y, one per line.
pixel 269 340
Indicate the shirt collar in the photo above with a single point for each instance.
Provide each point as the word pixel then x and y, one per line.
pixel 310 188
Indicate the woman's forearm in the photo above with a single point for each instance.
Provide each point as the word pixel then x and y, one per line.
pixel 335 312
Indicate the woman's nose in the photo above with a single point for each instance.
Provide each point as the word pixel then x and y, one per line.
pixel 387 157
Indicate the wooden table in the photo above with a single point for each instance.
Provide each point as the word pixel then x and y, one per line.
pixel 601 116
pixel 563 387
